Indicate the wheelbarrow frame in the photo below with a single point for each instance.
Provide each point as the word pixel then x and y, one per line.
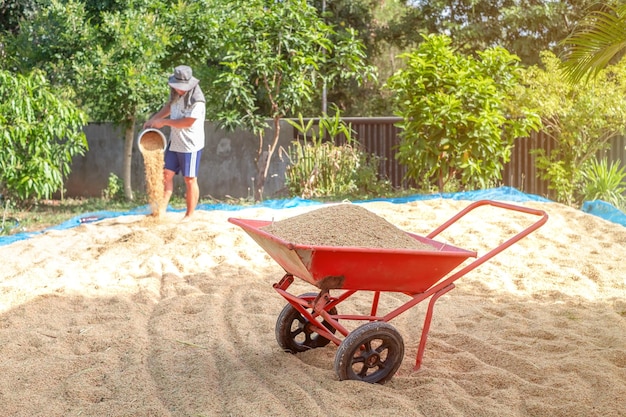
pixel 313 309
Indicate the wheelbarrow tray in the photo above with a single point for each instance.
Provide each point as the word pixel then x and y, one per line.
pixel 359 268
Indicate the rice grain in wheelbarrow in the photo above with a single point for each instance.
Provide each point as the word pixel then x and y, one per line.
pixel 343 225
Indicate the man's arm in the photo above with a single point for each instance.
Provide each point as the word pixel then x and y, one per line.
pixel 158 116
pixel 183 123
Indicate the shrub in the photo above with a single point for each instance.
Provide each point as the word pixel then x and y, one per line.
pixel 115 188
pixel 459 116
pixel 322 168
pixel 605 182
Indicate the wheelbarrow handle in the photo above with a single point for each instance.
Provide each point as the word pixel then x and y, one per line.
pixel 448 283
pixel 476 204
pixel 502 246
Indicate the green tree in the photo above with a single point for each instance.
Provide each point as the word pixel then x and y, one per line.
pixel 51 39
pixel 121 78
pixel 459 118
pixel 348 95
pixel 111 56
pixel 523 27
pixel 40 132
pixel 196 38
pixel 12 11
pixel 580 118
pixel 273 57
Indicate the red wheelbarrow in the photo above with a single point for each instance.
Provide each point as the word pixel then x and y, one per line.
pixel 373 351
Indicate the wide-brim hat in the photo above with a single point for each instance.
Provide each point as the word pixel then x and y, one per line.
pixel 183 78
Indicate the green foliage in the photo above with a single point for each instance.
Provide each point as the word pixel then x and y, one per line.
pixel 320 168
pixel 265 59
pixel 196 37
pixel 601 181
pixel 559 175
pixel 579 118
pixel 40 132
pixel 460 114
pixel 113 53
pixel 521 26
pixel 347 16
pixel 269 54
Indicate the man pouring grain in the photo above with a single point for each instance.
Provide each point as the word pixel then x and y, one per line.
pixel 186 110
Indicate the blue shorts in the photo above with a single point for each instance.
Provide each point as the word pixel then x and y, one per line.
pixel 185 163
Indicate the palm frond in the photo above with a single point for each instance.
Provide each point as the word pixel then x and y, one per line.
pixel 600 39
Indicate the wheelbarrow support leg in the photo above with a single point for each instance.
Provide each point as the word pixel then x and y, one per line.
pixel 427 320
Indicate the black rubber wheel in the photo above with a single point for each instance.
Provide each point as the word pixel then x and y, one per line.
pixel 295 333
pixel 371 353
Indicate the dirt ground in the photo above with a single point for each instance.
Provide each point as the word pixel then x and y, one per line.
pixel 137 316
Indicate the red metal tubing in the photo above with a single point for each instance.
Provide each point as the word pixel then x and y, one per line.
pixel 375 303
pixel 507 206
pixel 301 305
pixel 479 261
pixel 426 328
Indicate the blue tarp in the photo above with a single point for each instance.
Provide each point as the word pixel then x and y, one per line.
pixel 597 208
pixel 501 193
pixel 605 210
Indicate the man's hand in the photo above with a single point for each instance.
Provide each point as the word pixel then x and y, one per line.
pixel 155 123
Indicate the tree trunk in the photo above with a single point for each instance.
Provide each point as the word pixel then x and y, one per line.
pixel 129 139
pixel 264 158
pixel 259 181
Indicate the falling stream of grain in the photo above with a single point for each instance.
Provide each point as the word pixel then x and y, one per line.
pixel 152 151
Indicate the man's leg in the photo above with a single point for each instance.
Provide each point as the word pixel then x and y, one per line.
pixel 190 173
pixel 192 195
pixel 168 189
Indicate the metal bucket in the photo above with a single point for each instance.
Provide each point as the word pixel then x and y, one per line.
pixel 151 140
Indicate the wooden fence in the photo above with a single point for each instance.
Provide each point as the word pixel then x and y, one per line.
pixel 380 135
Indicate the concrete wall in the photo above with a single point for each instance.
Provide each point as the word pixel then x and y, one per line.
pixel 227 167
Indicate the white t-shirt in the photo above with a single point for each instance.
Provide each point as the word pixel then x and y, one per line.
pixel 189 139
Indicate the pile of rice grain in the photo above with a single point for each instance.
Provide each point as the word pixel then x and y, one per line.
pixel 343 225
